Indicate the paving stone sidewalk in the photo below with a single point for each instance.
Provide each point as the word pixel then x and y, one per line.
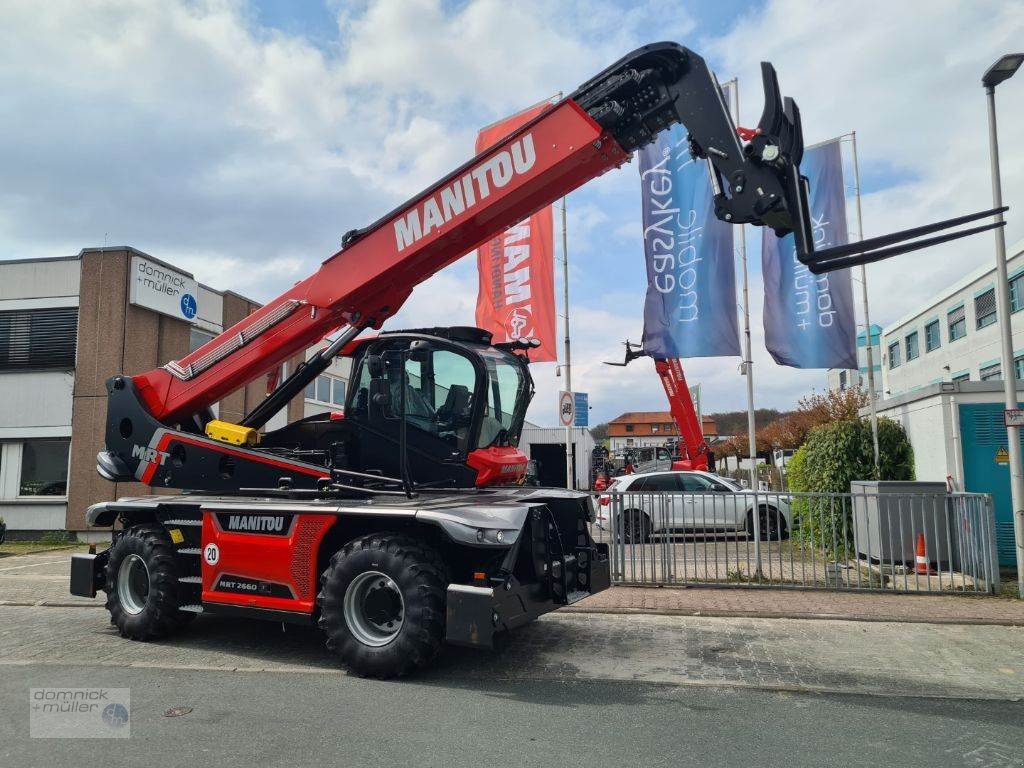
pixel 806 604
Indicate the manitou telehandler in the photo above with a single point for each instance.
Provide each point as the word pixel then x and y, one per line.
pixel 691 450
pixel 400 525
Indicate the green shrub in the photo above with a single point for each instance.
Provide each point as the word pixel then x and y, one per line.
pixel 796 473
pixel 834 455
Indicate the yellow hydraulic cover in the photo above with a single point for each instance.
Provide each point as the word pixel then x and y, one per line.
pixel 235 434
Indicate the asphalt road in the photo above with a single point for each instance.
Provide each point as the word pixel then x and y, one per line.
pixel 568 690
pixel 295 719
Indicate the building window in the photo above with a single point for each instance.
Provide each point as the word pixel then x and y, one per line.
pixel 655 428
pixel 197 337
pixel 629 427
pixel 842 380
pixel 985 308
pixel 327 390
pixel 38 338
pixel 323 389
pixel 913 348
pixel 1018 368
pixel 894 355
pixel 962 377
pixel 44 468
pixel 932 337
pixel 957 324
pixel 990 372
pixel 1017 293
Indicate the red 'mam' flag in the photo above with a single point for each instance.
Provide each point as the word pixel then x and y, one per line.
pixel 516 299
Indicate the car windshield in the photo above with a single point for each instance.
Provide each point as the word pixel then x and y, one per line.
pixel 729 482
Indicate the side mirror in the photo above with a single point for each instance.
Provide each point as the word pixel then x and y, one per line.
pixel 375 365
pixel 419 351
pixel 380 396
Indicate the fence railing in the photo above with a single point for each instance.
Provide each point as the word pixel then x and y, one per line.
pixel 895 542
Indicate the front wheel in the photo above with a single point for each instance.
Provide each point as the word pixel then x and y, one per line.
pixel 142 584
pixel 382 605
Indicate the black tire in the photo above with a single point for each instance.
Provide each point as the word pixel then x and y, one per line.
pixel 413 570
pixel 772 523
pixel 636 526
pixel 157 614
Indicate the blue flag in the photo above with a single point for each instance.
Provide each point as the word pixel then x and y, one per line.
pixel 808 318
pixel 690 310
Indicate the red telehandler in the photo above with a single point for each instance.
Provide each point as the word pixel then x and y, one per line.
pixel 400 526
pixel 692 451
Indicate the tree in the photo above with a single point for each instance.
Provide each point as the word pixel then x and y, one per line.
pixel 792 430
pixel 599 432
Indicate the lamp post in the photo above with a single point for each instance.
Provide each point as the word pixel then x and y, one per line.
pixel 1002 70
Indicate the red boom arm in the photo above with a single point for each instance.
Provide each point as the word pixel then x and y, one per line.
pixel 369 280
pixel 680 404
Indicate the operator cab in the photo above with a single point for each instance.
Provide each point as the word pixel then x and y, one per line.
pixel 464 405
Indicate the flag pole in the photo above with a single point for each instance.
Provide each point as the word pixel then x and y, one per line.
pixel 867 317
pixel 748 363
pixel 748 368
pixel 570 445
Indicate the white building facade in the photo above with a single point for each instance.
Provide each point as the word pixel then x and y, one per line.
pixel 955 336
pixel 841 379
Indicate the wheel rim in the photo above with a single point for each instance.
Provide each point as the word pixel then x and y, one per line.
pixel 374 608
pixel 133 584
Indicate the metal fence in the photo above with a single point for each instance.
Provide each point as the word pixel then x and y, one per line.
pixel 893 542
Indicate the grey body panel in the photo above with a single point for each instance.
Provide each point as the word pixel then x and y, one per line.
pixel 485 508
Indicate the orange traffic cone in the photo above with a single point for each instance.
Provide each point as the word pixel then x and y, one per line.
pixel 921 564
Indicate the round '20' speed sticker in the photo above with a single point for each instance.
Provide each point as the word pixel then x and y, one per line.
pixel 211 554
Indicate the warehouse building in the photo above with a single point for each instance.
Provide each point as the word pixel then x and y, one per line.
pixel 67 325
pixel 955 336
pixel 942 374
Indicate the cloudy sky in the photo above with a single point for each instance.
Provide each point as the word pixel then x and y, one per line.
pixel 242 139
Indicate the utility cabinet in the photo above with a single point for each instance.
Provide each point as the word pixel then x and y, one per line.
pixel 889 514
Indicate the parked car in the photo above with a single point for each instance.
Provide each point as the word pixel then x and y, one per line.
pixel 686 501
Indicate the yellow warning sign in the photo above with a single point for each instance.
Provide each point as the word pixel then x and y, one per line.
pixel 1002 457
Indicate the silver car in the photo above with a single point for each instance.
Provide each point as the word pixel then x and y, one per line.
pixel 689 501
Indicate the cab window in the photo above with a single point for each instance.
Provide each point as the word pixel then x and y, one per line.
pixel 439 392
pixel 506 385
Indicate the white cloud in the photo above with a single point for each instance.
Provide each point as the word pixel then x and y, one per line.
pixel 243 153
pixel 907 77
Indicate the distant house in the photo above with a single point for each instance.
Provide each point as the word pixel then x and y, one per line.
pixel 655 428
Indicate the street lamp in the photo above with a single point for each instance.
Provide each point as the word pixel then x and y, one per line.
pixel 1002 70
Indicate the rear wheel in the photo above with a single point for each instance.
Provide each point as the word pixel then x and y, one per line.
pixel 772 524
pixel 382 604
pixel 636 526
pixel 142 584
